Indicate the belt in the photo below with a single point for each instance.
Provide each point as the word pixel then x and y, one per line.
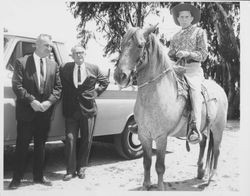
pixel 192 61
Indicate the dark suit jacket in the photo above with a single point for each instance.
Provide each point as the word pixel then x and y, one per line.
pixel 84 96
pixel 25 86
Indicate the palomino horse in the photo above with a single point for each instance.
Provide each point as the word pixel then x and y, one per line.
pixel 159 110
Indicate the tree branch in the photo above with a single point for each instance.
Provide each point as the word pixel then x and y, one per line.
pixel 129 16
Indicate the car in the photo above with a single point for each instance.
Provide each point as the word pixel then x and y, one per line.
pixel 115 106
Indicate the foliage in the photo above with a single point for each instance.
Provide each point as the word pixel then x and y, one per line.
pixel 111 18
pixel 221 21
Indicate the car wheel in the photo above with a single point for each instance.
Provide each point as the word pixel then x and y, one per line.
pixel 128 144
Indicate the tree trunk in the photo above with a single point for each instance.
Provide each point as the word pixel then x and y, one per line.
pixel 231 57
pixel 139 15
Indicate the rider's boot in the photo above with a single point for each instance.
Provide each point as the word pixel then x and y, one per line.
pixel 195 135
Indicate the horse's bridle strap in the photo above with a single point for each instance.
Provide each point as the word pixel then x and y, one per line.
pixel 157 77
pixel 164 72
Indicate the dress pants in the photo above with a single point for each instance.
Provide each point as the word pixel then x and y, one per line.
pixel 77 156
pixel 38 129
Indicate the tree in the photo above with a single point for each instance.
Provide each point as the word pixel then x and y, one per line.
pixel 111 18
pixel 221 21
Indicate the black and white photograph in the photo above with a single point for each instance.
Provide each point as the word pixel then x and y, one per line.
pixel 121 97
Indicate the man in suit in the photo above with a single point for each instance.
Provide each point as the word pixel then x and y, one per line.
pixel 37 85
pixel 79 81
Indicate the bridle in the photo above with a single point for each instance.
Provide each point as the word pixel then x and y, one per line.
pixel 138 66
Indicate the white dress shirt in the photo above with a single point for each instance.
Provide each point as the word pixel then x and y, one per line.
pixel 37 64
pixel 83 74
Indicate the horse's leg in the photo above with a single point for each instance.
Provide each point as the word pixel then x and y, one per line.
pixel 217 130
pixel 161 144
pixel 215 163
pixel 200 163
pixel 147 160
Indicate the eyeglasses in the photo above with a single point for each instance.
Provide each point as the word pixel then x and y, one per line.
pixel 78 53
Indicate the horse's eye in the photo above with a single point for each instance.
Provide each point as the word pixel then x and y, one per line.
pixel 140 45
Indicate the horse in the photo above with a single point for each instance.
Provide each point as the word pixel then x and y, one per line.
pixel 159 109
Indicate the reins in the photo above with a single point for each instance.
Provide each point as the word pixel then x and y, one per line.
pixel 150 81
pixel 158 76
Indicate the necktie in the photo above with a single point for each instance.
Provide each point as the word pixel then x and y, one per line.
pixel 79 75
pixel 41 77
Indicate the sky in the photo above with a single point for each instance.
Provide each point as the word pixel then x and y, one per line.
pixel 32 17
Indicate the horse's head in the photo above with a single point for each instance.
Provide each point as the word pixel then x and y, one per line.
pixel 132 54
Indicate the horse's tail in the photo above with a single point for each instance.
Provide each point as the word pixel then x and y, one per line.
pixel 210 154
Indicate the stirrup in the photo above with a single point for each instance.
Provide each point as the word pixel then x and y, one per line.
pixel 194 141
pixel 194 132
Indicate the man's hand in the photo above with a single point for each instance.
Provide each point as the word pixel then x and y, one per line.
pixel 36 106
pixel 179 69
pixel 182 54
pixel 45 105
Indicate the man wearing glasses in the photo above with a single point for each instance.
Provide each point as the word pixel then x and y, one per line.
pixel 79 81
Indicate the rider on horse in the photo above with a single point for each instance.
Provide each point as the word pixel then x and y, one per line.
pixel 190 44
pixel 188 47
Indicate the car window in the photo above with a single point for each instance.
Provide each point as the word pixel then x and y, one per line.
pixel 22 49
pixel 17 53
pixel 53 57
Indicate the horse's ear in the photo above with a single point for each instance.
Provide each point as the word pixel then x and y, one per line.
pixel 149 30
pixel 128 26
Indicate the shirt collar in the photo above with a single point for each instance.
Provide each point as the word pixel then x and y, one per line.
pixel 82 65
pixel 37 58
pixel 188 28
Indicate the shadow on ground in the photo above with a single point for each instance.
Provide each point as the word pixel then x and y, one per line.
pixel 192 184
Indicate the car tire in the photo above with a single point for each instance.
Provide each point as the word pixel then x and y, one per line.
pixel 127 143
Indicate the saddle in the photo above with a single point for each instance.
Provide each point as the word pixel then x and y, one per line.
pixel 183 90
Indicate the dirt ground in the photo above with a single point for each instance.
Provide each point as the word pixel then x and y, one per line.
pixel 109 172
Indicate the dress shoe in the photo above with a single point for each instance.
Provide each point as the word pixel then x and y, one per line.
pixel 43 181
pixel 81 173
pixel 14 184
pixel 68 177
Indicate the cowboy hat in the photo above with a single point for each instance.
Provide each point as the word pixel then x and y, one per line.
pixel 195 12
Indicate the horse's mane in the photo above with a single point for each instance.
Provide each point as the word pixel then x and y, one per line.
pixel 158 54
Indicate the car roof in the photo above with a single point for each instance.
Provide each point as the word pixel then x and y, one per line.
pixel 28 37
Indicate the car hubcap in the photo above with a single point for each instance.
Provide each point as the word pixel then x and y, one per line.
pixel 134 141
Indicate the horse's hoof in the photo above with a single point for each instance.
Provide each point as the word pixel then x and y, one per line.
pixel 161 187
pixel 201 174
pixel 212 175
pixel 146 186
